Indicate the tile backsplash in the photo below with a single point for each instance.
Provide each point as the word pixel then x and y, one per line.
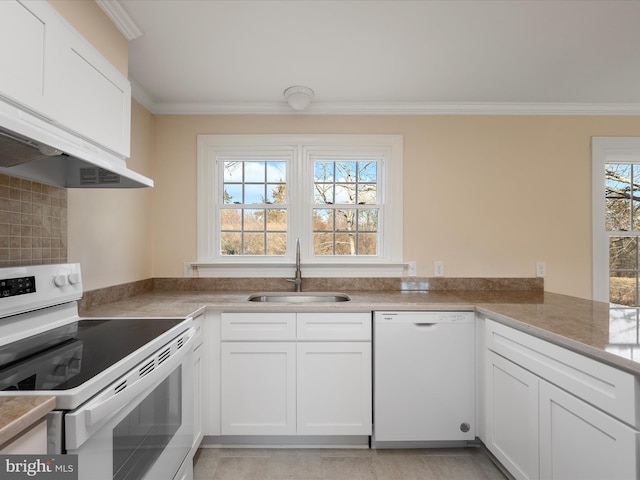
pixel 33 223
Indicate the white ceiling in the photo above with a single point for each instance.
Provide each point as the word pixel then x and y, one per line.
pixel 471 56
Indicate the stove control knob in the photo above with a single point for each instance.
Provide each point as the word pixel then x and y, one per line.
pixel 60 280
pixel 74 278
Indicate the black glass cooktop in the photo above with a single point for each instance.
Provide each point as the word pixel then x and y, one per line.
pixel 68 356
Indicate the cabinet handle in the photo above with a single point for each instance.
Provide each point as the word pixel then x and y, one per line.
pixel 425 324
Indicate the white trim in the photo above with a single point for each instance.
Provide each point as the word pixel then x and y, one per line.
pixel 385 108
pixel 211 148
pixel 605 150
pixel 287 270
pixel 120 18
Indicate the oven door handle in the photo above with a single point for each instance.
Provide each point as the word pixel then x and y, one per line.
pixel 117 397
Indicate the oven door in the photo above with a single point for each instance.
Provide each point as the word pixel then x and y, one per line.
pixel 142 426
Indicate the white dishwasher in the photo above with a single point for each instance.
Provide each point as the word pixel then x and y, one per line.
pixel 424 376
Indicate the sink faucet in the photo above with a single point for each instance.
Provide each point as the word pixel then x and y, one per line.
pixel 298 280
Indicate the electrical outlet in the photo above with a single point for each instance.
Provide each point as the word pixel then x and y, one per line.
pixel 438 268
pixel 188 269
pixel 412 269
pixel 541 268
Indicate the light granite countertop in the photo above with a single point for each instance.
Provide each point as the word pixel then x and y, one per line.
pixel 580 325
pixel 19 413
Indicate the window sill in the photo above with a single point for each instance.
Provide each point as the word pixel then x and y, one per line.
pixel 310 270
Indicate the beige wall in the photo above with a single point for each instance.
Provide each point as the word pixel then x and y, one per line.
pixel 109 231
pixel 488 195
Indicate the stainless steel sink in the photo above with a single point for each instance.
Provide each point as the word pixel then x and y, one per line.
pixel 299 297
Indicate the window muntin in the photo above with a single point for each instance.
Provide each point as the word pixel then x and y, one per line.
pixel 345 212
pixel 253 207
pixel 373 210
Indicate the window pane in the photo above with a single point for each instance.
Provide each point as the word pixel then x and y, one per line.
pixel 623 270
pixel 232 172
pixel 231 219
pixel 277 172
pixel 622 289
pixel 276 243
pixel 367 171
pixel 623 253
pixel 254 172
pixel 231 243
pixel 617 196
pixel 323 243
pixel 345 194
pixel 367 193
pixel 345 244
pixel 254 194
pixel 254 244
pixel 232 193
pixel 345 172
pixel 277 193
pixel 368 220
pixel 277 219
pixel 345 220
pixel 322 219
pixel 635 200
pixel 323 171
pixel 253 219
pixel 367 244
pixel 323 194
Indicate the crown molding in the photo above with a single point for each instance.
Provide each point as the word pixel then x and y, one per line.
pixel 382 108
pixel 120 18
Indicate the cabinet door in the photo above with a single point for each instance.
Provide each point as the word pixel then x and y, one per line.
pixel 334 388
pixel 579 442
pixel 23 30
pixel 512 416
pixel 258 388
pixel 92 97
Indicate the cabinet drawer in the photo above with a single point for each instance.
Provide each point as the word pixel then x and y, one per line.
pixel 334 326
pixel 258 326
pixel 601 385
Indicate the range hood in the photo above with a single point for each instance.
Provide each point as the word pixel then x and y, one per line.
pixel 37 149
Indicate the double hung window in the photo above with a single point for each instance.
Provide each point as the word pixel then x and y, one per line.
pixel 340 195
pixel 616 238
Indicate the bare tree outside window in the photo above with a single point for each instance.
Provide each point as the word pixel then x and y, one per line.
pixel 345 213
pixel 622 220
pixel 253 220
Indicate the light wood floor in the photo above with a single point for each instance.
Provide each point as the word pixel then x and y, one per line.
pixel 330 464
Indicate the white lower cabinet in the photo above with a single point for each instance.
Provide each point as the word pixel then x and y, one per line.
pixel 512 416
pixel 300 380
pixel 579 442
pixel 258 388
pixel 552 414
pixel 334 388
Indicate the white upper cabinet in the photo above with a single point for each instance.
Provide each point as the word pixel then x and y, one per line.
pixel 23 34
pixel 92 97
pixel 50 69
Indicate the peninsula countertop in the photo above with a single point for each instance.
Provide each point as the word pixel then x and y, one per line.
pixel 584 326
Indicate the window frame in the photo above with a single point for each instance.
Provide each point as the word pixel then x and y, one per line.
pixel 300 149
pixel 605 150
